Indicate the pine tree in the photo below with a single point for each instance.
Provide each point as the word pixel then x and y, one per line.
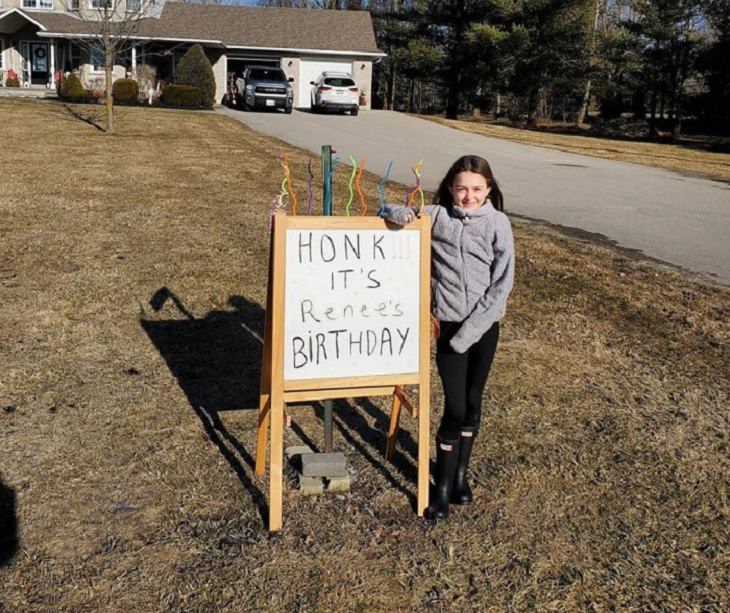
pixel 194 68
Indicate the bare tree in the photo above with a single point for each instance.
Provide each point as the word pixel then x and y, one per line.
pixel 110 29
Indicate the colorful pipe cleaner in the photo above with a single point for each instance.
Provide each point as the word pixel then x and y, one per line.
pixel 411 195
pixel 363 202
pixel 349 186
pixel 310 192
pixel 284 159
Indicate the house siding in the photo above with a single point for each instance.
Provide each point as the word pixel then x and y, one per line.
pixel 218 60
pixel 292 71
pixel 362 73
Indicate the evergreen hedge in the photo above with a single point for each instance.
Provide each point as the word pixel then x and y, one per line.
pixel 125 91
pixel 182 96
pixel 72 89
pixel 195 69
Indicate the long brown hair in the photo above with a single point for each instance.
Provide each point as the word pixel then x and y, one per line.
pixel 469 163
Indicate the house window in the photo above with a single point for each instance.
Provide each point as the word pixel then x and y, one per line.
pixel 134 6
pixel 38 4
pixel 73 5
pixel 100 4
pixel 96 59
pixel 74 57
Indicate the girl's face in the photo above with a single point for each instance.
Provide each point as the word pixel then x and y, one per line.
pixel 469 190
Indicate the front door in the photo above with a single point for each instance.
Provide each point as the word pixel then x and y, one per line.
pixel 39 64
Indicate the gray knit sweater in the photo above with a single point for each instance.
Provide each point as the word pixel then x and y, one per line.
pixel 472 266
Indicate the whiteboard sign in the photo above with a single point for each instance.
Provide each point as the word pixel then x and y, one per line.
pixel 351 303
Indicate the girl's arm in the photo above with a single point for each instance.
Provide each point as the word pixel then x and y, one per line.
pixel 402 215
pixel 492 305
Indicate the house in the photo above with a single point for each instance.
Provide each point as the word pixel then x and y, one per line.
pixel 43 38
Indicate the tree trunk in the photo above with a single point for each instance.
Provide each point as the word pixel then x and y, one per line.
pixel 679 95
pixel 661 102
pixel 391 90
pixel 499 106
pixel 532 101
pixel 108 100
pixel 452 98
pixel 583 111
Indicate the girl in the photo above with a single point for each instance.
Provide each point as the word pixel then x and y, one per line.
pixel 472 270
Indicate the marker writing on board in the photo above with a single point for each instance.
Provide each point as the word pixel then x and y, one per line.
pixel 315 348
pixel 326 248
pixel 308 309
pixel 339 278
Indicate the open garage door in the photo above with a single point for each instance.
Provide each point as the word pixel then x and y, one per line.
pixel 239 64
pixel 310 69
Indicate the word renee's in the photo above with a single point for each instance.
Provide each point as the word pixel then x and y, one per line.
pixel 309 313
pixel 319 347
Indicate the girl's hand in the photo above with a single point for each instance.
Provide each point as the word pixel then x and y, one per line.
pixel 409 216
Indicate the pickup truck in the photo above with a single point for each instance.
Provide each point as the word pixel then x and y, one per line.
pixel 265 87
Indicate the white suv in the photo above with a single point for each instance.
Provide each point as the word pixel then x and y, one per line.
pixel 335 91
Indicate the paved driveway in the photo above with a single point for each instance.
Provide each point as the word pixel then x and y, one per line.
pixel 664 215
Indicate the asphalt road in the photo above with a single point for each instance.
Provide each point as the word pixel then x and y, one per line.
pixel 677 219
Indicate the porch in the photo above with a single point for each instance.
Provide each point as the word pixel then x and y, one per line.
pixel 32 91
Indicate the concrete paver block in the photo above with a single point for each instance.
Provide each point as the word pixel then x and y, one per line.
pixel 295 450
pixel 339 484
pixel 324 465
pixel 311 486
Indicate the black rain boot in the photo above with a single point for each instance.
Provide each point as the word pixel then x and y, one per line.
pixel 461 494
pixel 446 460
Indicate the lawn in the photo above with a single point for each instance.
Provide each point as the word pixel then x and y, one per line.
pixel 132 274
pixel 695 156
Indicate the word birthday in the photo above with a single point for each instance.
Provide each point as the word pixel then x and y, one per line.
pixel 337 344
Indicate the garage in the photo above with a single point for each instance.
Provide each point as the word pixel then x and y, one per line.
pixel 310 69
pixel 237 64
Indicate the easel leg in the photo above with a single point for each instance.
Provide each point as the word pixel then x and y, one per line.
pixel 264 418
pixel 276 464
pixel 393 427
pixel 424 451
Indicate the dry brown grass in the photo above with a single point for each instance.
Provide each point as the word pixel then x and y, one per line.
pixel 127 432
pixel 687 157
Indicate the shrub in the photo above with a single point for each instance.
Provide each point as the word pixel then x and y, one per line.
pixel 71 88
pixel 182 96
pixel 195 69
pixel 125 91
pixel 12 82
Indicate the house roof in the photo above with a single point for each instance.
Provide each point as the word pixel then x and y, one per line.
pixel 13 19
pixel 244 27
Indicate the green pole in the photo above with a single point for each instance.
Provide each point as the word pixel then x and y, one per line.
pixel 327 210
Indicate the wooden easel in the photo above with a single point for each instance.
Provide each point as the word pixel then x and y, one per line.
pixel 276 391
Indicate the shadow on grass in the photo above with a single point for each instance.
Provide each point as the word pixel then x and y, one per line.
pixel 216 360
pixel 92 119
pixel 8 525
pixel 357 432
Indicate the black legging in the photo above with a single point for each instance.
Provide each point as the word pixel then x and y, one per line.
pixel 464 376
